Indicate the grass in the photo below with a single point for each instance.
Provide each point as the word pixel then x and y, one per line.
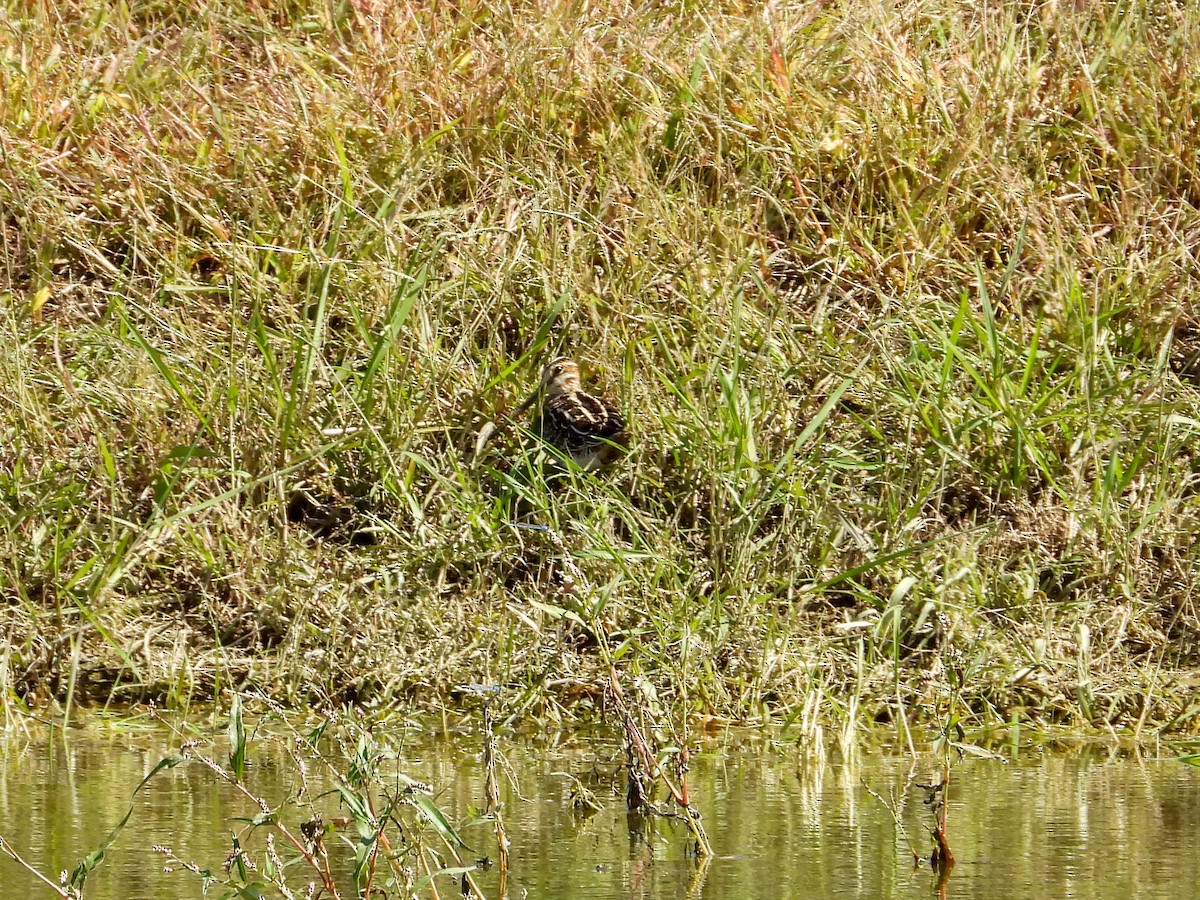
pixel 898 297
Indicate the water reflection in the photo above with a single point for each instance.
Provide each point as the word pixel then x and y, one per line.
pixel 1087 824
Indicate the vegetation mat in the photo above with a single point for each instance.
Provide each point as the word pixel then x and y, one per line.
pixel 898 299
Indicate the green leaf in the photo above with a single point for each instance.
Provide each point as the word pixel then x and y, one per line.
pixel 237 739
pixel 358 807
pixel 429 810
pixel 81 871
pixel 362 858
pixel 252 891
pixel 238 858
pixel 402 304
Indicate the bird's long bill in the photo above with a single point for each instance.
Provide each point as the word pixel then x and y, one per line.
pixel 527 402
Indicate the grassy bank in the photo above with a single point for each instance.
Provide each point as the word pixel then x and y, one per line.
pixel 899 298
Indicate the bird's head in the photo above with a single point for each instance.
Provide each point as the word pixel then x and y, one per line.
pixel 561 376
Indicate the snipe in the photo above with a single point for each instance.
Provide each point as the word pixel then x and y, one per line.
pixel 588 429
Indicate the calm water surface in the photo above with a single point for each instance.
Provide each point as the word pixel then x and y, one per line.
pixel 1096 823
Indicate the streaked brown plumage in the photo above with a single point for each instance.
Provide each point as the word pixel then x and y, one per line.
pixel 588 429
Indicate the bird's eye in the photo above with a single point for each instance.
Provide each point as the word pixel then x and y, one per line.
pixel 558 370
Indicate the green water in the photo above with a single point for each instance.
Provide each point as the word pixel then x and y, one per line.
pixel 1098 824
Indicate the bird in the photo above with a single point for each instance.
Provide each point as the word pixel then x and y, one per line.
pixel 589 430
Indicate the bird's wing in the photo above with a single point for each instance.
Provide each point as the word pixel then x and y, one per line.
pixel 580 421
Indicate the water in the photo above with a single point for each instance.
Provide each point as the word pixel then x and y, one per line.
pixel 1097 823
